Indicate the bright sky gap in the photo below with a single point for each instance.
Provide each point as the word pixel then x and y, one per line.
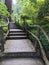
pixel 14 1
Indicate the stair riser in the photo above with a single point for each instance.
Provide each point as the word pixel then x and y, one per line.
pixel 16 34
pixel 16 38
pixel 22 55
pixel 16 31
pixel 13 27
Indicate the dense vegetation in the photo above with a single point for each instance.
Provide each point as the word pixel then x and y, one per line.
pixel 30 11
pixel 3 15
pixel 34 12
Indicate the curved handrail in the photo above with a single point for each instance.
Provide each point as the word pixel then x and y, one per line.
pixel 3 37
pixel 41 48
pixel 41 30
pixel 6 26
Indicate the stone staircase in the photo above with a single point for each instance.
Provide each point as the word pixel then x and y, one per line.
pixel 19 49
pixel 16 34
pixel 17 43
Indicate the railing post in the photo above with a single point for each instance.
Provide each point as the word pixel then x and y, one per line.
pixel 8 26
pixel 24 22
pixel 1 40
pixel 38 35
pixel 15 19
pixel 8 23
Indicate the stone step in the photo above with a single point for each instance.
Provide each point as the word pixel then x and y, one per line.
pixel 22 61
pixel 13 25
pixel 16 34
pixel 21 55
pixel 16 37
pixel 16 30
pixel 19 45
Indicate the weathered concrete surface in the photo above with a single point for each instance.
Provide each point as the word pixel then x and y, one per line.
pixel 24 61
pixel 24 45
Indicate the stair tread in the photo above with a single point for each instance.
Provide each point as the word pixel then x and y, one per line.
pixel 13 25
pixel 18 33
pixel 16 30
pixel 24 45
pixel 18 36
pixel 22 61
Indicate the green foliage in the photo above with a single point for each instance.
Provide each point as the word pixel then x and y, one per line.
pixel 3 14
pixel 35 10
pixel 46 18
pixel 3 22
pixel 5 29
pixel 3 10
pixel 43 14
pixel 29 10
pixel 40 2
pixel 29 21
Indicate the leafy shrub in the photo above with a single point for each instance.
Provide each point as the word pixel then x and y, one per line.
pixel 3 10
pixel 3 23
pixel 3 14
pixel 5 29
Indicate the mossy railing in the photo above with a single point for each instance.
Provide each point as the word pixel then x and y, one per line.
pixel 2 36
pixel 40 29
pixel 36 38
